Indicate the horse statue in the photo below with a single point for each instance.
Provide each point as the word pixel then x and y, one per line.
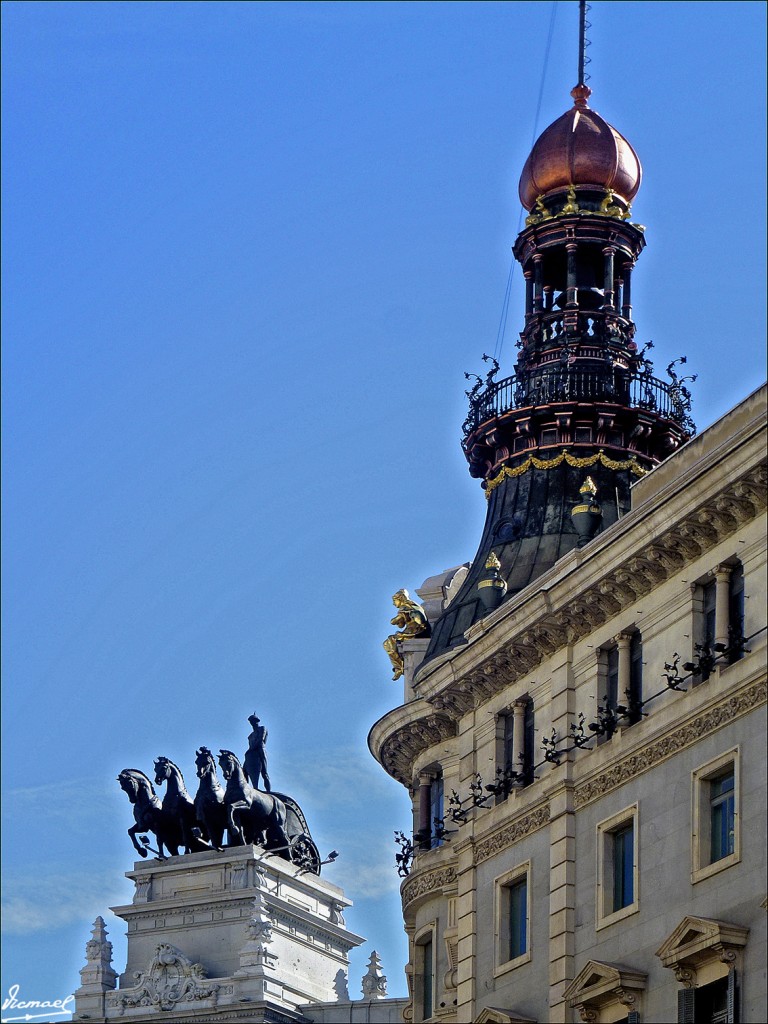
pixel 252 816
pixel 147 810
pixel 178 809
pixel 209 799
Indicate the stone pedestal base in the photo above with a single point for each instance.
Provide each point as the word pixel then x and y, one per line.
pixel 225 936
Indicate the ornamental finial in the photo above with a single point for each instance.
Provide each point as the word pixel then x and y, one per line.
pixel 589 487
pixel 581 94
pixel 492 562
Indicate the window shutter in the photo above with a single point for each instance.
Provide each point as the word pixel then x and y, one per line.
pixel 731 1004
pixel 633 1017
pixel 686 1003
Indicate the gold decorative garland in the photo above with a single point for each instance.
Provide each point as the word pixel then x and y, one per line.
pixel 631 464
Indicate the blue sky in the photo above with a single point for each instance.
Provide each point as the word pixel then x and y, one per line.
pixel 249 251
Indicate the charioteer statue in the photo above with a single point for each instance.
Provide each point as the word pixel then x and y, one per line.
pixel 255 760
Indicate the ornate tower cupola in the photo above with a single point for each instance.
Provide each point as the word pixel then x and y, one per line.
pixel 582 400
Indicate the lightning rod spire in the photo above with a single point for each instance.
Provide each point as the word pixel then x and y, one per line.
pixel 583 42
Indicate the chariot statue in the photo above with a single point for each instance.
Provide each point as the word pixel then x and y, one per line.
pixel 240 813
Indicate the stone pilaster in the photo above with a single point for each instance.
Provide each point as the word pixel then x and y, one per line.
pixel 466 920
pixel 562 848
pixel 562 895
pixel 466 897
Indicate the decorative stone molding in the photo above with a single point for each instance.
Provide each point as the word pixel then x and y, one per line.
pixel 600 985
pixel 158 915
pixel 335 914
pixel 568 622
pixel 255 954
pixel 170 978
pixel 403 747
pixel 98 974
pixel 239 875
pixel 697 942
pixel 511 833
pixel 374 983
pixel 422 885
pixel 456 703
pixel 497 1015
pixel 451 979
pixel 716 717
pixel 614 596
pixel 143 892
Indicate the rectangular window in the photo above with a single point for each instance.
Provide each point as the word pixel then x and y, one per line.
pixel 635 678
pixel 427 979
pixel 721 816
pixel 623 840
pixel 508 746
pixel 529 744
pixel 517 894
pixel 515 749
pixel 513 912
pixel 714 1003
pixel 708 598
pixel 622 664
pixel 709 595
pixel 617 867
pixel 735 614
pixel 612 683
pixel 436 810
pixel 715 815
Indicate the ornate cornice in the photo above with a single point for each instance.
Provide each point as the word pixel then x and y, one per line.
pixel 693 535
pixel 572 615
pixel 402 747
pixel 421 885
pixel 511 833
pixel 714 718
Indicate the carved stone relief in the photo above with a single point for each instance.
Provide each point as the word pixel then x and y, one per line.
pixel 511 833
pixel 724 712
pixel 421 885
pixel 170 978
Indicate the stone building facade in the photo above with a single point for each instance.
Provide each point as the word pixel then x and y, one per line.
pixel 583 721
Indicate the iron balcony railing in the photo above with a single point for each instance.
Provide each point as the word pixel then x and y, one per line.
pixel 560 384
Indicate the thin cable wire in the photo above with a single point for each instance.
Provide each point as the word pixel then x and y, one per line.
pixel 500 333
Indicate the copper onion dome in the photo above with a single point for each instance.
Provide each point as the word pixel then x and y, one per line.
pixel 580 148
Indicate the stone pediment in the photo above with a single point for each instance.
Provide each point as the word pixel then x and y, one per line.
pixel 496 1015
pixel 699 939
pixel 598 984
